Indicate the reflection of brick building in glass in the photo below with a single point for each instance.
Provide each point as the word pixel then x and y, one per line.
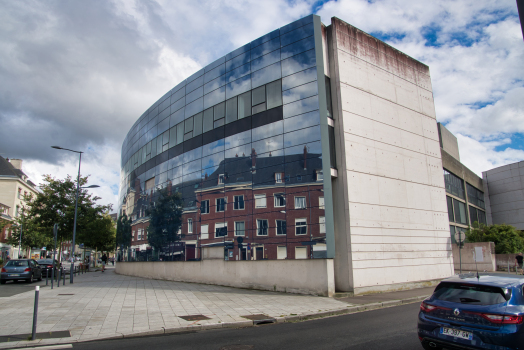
pixel 277 209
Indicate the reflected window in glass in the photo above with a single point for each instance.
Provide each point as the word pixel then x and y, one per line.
pixel 197 129
pixel 244 105
pixel 274 94
pixel 262 227
pixel 219 111
pixel 208 120
pixel 239 202
pixel 266 75
pixel 300 226
pixel 298 62
pixel 231 110
pixel 300 92
pixel 297 47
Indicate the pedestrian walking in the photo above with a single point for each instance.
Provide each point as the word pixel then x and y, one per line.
pixel 518 262
pixel 113 261
pixel 104 261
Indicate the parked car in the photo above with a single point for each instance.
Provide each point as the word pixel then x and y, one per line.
pixel 47 265
pixel 470 312
pixel 21 269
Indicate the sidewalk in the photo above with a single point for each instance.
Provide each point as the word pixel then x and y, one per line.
pixel 106 305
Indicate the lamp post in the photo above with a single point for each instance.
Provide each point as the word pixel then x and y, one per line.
pixel 76 207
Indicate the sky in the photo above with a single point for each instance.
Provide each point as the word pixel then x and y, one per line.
pixel 78 74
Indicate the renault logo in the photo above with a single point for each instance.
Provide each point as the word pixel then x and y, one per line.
pixel 456 312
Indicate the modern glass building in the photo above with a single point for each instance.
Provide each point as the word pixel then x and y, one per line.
pixel 313 150
pixel 241 140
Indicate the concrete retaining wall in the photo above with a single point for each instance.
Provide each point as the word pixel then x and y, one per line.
pixel 314 277
pixel 468 257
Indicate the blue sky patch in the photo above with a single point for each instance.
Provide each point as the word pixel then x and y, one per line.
pixel 517 142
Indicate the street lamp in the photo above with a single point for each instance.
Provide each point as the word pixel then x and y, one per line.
pixel 76 207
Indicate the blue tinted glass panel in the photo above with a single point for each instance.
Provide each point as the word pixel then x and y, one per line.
pixel 238 72
pixel 180 86
pixel 238 139
pixel 265 60
pixel 212 160
pixel 163 125
pixel 238 151
pixel 265 48
pixel 238 86
pixel 296 24
pixel 199 92
pixel 194 107
pixel 176 117
pixel 212 74
pixel 198 124
pixel 255 43
pixel 266 75
pixel 207 124
pixel 298 47
pixel 238 51
pixel 266 131
pixel 192 155
pixel 299 78
pixel 215 84
pixel 298 63
pixel 213 147
pixel 214 97
pixel 297 34
pixel 219 123
pixel 300 92
pixel 238 61
pixel 299 107
pixel 164 114
pixel 215 64
pixel 269 144
pixel 191 167
pixel 194 76
pixel 198 82
pixel 302 136
pixel 301 121
pixel 164 104
pixel 178 104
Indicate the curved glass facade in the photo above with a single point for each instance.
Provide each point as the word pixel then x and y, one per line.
pixel 241 141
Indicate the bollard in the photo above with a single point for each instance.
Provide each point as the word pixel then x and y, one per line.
pixel 63 275
pixel 58 279
pixel 35 312
pixel 46 275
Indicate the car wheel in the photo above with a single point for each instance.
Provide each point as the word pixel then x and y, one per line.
pixel 2 281
pixel 40 277
pixel 30 279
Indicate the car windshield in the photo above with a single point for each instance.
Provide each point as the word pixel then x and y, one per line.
pixel 471 294
pixel 44 261
pixel 16 263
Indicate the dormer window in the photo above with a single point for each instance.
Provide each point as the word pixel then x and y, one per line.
pixel 279 177
pixel 320 175
pixel 221 178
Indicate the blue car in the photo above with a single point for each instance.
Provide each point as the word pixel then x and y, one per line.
pixel 473 311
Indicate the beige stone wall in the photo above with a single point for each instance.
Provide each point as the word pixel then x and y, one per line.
pixel 292 276
pixel 467 254
pixel 396 228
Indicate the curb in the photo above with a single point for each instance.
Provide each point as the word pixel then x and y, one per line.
pixel 351 309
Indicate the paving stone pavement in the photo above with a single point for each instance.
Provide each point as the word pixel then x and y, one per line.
pixel 105 305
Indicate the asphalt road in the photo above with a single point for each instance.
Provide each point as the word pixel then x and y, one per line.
pixel 385 329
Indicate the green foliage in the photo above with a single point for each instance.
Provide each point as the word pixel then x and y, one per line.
pixel 507 239
pixel 165 219
pixel 123 232
pixel 31 233
pixel 99 232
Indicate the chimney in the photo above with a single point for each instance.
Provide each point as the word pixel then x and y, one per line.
pixel 253 161
pixel 17 163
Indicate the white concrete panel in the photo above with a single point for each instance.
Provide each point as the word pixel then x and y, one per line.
pixel 393 193
pixel 389 161
pixel 418 196
pixel 429 126
pixel 413 142
pixel 423 80
pixel 353 71
pixel 387 134
pixel 360 154
pixel 363 188
pixel 355 101
pixel 406 94
pixel 411 121
pixel 381 83
pixel 358 125
pixel 432 148
pixel 438 199
pixel 426 103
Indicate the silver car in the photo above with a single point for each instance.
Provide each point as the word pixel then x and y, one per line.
pixel 21 269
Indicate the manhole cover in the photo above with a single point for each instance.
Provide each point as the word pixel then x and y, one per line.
pixel 260 318
pixel 237 347
pixel 194 317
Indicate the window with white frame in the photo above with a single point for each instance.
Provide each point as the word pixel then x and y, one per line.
pixel 281 227
pixel 322 224
pixel 189 225
pixel 204 231
pixel 240 228
pixel 300 227
pixel 260 200
pixel 320 175
pixel 239 202
pixel 280 200
pixel 278 178
pixel 133 235
pixel 220 204
pixel 321 203
pixel 204 207
pixel 262 227
pixel 300 202
pixel 220 229
pixel 221 178
pixel 17 209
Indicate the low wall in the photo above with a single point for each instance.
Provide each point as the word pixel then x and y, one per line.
pixel 504 259
pixel 315 276
pixel 468 257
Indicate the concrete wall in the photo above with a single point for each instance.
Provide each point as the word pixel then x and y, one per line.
pixel 506 194
pixel 503 260
pixel 392 225
pixel 292 276
pixel 448 142
pixel 468 257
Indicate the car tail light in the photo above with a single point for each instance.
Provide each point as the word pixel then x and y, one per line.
pixel 426 307
pixel 49 266
pixel 503 319
pixel 4 270
pixel 27 269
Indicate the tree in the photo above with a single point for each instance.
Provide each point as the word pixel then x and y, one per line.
pixel 123 232
pixel 56 204
pixel 99 232
pixel 507 238
pixel 31 235
pixel 165 219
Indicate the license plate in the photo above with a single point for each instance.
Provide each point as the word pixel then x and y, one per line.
pixel 456 333
pixel 14 274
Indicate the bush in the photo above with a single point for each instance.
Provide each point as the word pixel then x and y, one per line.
pixel 507 239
